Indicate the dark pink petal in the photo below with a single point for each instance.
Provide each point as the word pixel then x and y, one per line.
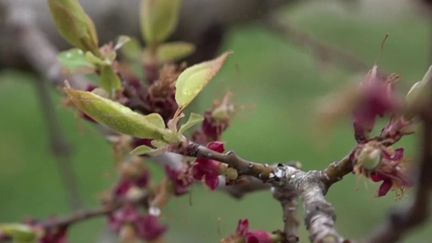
pixel 385 187
pixel 216 146
pixel 376 177
pixel 126 215
pixel 55 236
pixel 212 182
pixel 242 227
pixel 258 237
pixel 149 228
pixel 398 155
pixel 123 187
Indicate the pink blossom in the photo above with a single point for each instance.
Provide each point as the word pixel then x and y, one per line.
pixel 207 169
pixel 252 236
pixel 147 227
pixel 377 99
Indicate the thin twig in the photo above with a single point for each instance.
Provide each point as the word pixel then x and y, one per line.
pixel 337 170
pixel 37 50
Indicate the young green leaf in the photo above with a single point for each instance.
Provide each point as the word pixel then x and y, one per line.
pixel 118 117
pixel 132 50
pixel 74 24
pixel 158 19
pixel 20 233
pixel 75 60
pixel 142 150
pixel 192 80
pixel 109 79
pixel 174 51
pixel 194 119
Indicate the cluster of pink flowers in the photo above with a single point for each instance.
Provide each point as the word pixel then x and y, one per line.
pixel 244 235
pixel 374 157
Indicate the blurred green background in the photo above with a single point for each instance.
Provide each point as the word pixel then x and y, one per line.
pixel 279 86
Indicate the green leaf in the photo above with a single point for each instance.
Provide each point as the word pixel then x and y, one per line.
pixel 75 60
pixel 420 92
pixel 122 41
pixel 20 233
pixel 109 79
pixel 142 150
pixel 159 144
pixel 156 119
pixel 174 51
pixel 120 118
pixel 74 24
pixel 194 119
pixel 132 50
pixel 192 80
pixel 159 19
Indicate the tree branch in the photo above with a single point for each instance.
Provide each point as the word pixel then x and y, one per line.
pixel 288 199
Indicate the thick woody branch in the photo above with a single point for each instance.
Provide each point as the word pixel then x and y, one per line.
pixel 319 214
pixel 288 199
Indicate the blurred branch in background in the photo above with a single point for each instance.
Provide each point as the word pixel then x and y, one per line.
pixel 319 50
pixel 39 52
pixel 60 147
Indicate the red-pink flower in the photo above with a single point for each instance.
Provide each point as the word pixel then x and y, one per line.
pixel 207 169
pixel 382 164
pixel 149 228
pixel 127 183
pixel 377 99
pixel 252 236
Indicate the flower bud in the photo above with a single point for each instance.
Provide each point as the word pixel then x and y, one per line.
pixel 369 157
pixel 159 19
pixel 74 25
pixel 419 92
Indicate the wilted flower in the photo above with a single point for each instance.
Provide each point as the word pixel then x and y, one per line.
pixel 149 227
pixel 208 169
pixel 55 235
pixel 126 183
pixel 181 179
pixel 216 121
pixel 245 235
pixel 381 163
pixel 146 227
pixel 397 127
pixel 377 99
